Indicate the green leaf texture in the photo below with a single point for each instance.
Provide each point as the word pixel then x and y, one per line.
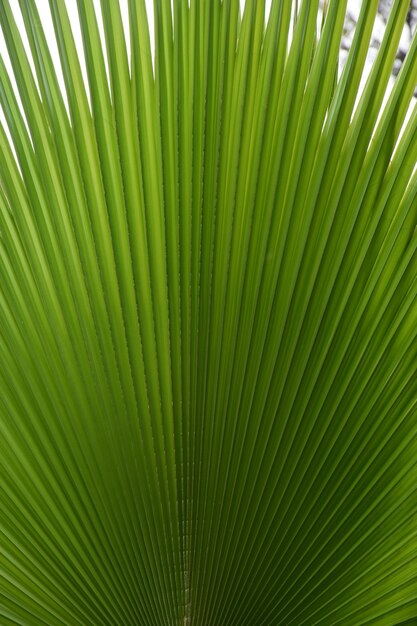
pixel 208 318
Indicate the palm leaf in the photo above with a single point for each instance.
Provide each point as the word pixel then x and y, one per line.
pixel 208 300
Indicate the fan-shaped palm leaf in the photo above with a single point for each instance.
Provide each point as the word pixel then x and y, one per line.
pixel 208 314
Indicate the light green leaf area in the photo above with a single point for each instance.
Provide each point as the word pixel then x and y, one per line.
pixel 208 319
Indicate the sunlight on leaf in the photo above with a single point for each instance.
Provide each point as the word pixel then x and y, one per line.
pixel 208 307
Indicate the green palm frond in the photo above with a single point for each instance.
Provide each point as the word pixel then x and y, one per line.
pixel 208 319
